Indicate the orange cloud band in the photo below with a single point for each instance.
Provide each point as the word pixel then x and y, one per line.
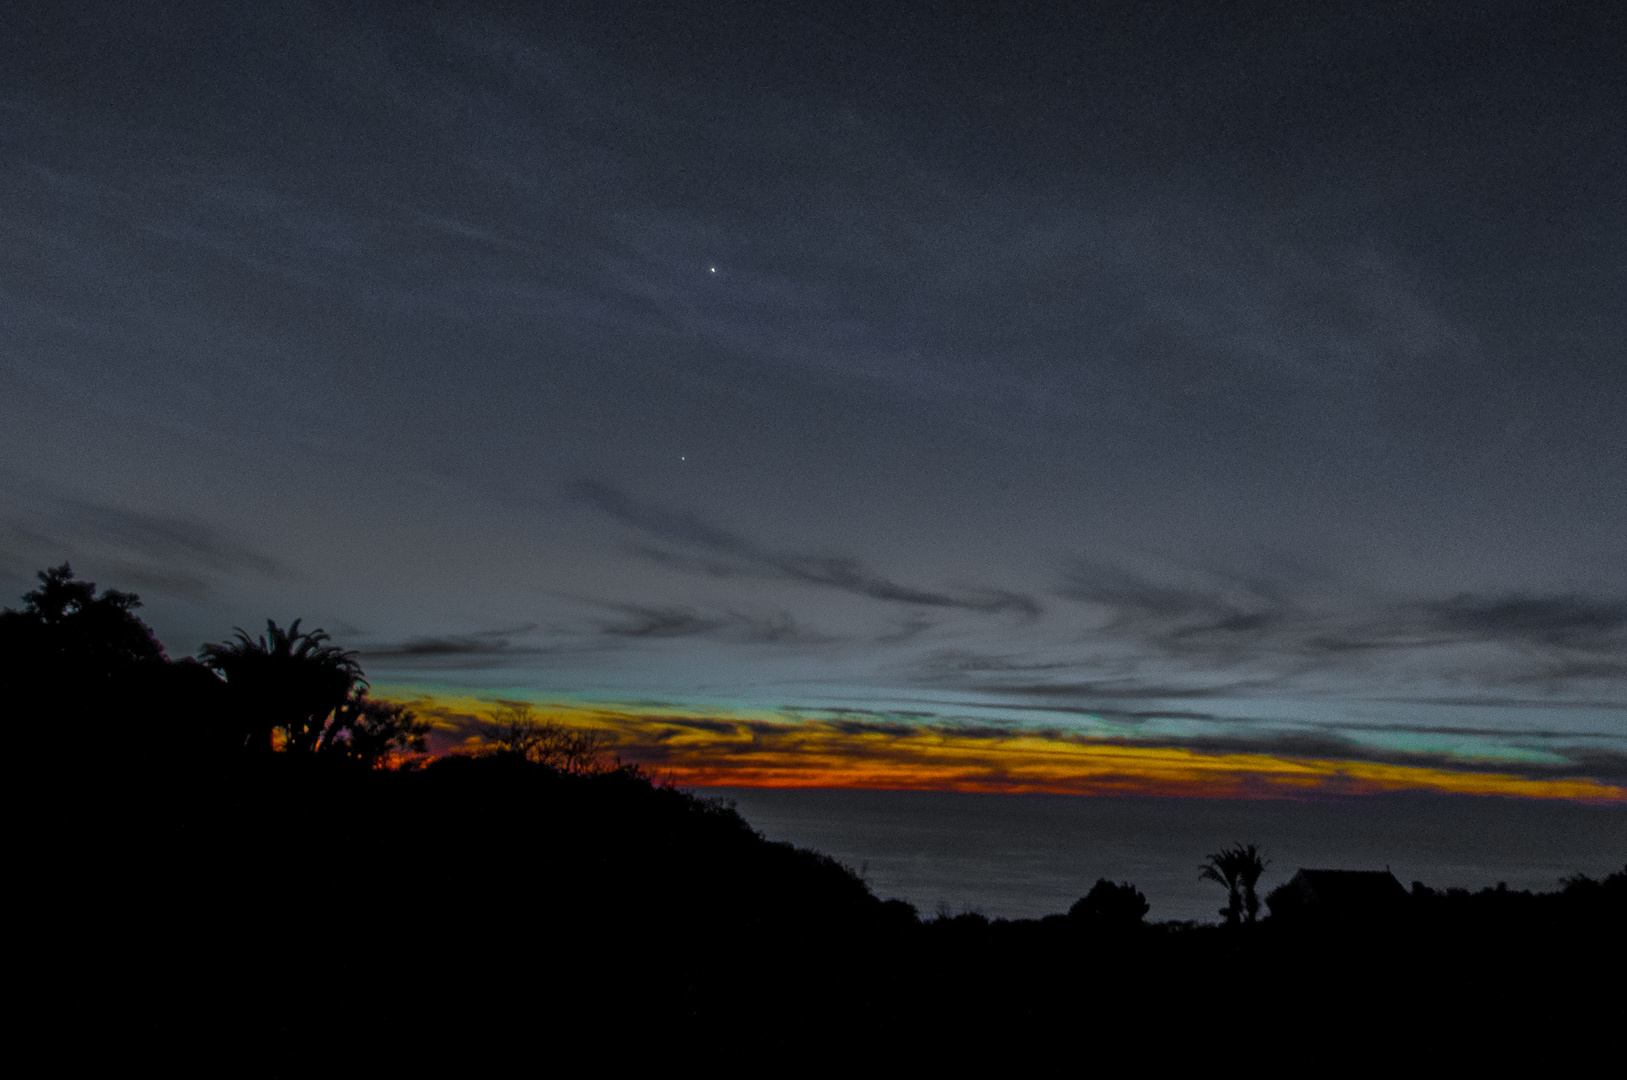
pixel 707 750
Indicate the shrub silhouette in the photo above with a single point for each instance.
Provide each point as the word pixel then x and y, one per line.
pixel 1110 906
pixel 514 728
pixel 369 732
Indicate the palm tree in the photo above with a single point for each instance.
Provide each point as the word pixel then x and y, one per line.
pixel 1251 864
pixel 289 682
pixel 1238 868
pixel 1222 869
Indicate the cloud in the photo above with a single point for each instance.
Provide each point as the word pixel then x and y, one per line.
pixel 716 727
pixel 1136 596
pixel 1568 622
pixel 1482 732
pixel 176 540
pixel 957 661
pixel 171 554
pixel 1086 693
pixel 1606 765
pixel 480 650
pixel 905 630
pixel 1562 761
pixel 509 647
pixel 479 643
pixel 1205 623
pixel 1137 717
pixel 652 622
pixel 1504 701
pixel 1125 689
pixel 777 629
pixel 681 621
pixel 870 727
pixel 707 548
pixel 1187 613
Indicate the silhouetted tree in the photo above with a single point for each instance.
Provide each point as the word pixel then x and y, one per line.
pixel 313 694
pixel 1220 868
pixel 369 731
pixel 1238 868
pixel 66 631
pixel 85 677
pixel 1252 863
pixel 516 729
pixel 286 681
pixel 87 664
pixel 1108 905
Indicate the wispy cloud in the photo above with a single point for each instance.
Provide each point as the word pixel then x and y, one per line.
pixel 688 541
pixel 592 638
pixel 481 642
pixel 679 620
pixel 168 553
pixel 1271 633
pixel 1571 623
pixel 476 651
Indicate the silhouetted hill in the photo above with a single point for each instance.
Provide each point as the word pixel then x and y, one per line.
pixel 294 914
pixel 493 895
pixel 482 884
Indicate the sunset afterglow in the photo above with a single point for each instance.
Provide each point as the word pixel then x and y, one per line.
pixel 705 749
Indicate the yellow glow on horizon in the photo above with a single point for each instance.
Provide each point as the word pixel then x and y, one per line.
pixel 714 748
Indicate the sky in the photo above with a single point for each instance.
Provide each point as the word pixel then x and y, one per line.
pixel 1175 399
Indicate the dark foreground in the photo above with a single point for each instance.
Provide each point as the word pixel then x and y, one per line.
pixel 287 915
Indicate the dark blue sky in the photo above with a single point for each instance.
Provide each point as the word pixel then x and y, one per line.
pixel 1220 372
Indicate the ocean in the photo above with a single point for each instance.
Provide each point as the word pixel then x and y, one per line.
pixel 1023 856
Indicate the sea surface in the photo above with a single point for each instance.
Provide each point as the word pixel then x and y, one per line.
pixel 1021 856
